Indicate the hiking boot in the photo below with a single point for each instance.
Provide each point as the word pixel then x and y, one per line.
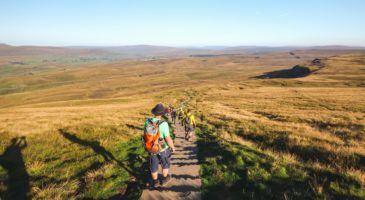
pixel 155 183
pixel 166 180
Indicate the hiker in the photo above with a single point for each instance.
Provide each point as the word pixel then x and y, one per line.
pixel 189 124
pixel 168 110
pixel 182 117
pixel 159 145
pixel 171 108
pixel 179 114
pixel 173 116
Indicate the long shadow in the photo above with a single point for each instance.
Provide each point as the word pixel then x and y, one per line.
pixel 181 159
pixel 279 141
pixel 94 145
pixel 181 188
pixel 136 167
pixel 18 178
pixel 184 153
pixel 181 164
pixel 278 185
pixel 184 176
pixel 131 126
pixel 244 186
pixel 140 173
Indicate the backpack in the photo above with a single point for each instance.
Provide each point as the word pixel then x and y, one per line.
pixel 188 119
pixel 173 114
pixel 151 136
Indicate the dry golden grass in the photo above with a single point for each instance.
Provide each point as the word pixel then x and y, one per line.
pixel 284 118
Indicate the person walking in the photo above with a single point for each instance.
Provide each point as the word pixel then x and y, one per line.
pixel 189 124
pixel 159 145
pixel 182 117
pixel 173 116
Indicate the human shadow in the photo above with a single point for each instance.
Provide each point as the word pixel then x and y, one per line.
pixel 276 185
pixel 94 145
pixel 140 174
pixel 184 176
pixel 134 165
pixel 181 164
pixel 181 188
pixel 280 141
pixel 180 153
pixel 12 161
pixel 131 126
pixel 182 159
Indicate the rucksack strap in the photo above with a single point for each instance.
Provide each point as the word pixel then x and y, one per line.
pixel 149 120
pixel 159 122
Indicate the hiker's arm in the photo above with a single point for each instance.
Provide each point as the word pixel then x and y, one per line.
pixel 170 143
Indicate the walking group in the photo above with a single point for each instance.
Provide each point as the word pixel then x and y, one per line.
pixel 186 119
pixel 157 140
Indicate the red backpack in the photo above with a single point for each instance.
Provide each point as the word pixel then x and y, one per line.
pixel 151 136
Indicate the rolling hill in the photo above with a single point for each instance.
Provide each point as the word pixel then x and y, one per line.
pixel 141 51
pixel 73 130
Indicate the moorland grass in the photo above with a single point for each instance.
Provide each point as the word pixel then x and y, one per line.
pixel 231 170
pixel 80 124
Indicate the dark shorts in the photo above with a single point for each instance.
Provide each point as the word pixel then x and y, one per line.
pixel 163 158
pixel 189 128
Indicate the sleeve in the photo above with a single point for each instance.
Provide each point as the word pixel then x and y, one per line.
pixel 164 129
pixel 193 119
pixel 145 124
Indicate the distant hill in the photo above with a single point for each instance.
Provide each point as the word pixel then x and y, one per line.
pixel 7 50
pixel 149 50
pixel 140 51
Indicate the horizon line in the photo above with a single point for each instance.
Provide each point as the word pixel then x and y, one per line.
pixel 182 46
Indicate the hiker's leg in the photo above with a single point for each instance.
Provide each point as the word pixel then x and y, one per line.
pixel 154 166
pixel 165 162
pixel 154 175
pixel 165 172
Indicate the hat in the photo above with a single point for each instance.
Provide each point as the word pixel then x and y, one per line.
pixel 158 110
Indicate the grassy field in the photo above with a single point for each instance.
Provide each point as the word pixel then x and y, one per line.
pixel 73 131
pixel 303 138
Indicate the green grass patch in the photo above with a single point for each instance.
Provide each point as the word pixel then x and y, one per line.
pixel 73 165
pixel 233 171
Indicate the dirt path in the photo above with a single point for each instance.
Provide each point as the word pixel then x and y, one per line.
pixel 185 183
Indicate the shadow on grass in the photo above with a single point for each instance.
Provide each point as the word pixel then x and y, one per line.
pixel 94 145
pixel 280 141
pixel 131 126
pixel 233 171
pixel 18 179
pixel 134 164
pixel 295 72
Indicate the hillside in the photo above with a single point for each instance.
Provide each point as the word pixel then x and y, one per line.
pixel 7 50
pixel 142 51
pixel 271 138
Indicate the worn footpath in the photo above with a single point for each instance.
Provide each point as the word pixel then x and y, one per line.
pixel 185 183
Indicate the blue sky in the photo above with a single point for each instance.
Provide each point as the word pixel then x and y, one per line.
pixel 183 22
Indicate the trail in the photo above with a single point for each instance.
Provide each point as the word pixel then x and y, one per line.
pixel 186 182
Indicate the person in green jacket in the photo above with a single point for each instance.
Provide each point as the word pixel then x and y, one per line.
pixel 164 156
